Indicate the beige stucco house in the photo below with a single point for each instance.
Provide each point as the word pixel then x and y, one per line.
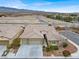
pixel 35 27
pixel 33 34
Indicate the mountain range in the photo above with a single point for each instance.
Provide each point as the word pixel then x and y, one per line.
pixel 7 11
pixel 25 11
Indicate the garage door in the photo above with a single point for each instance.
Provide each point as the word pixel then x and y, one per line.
pixel 35 41
pixel 4 42
pixel 31 41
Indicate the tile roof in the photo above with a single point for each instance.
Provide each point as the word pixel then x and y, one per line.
pixel 31 31
pixel 37 31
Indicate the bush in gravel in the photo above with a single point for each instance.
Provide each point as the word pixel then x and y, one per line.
pixel 66 53
pixel 54 47
pixel 48 49
pixel 65 44
pixel 51 47
pixel 15 43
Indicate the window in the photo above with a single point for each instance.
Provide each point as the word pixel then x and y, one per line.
pixel 53 42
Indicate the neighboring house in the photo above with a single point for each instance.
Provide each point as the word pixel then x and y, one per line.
pixel 4 40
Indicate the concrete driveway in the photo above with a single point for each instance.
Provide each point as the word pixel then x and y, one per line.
pixel 27 51
pixel 2 49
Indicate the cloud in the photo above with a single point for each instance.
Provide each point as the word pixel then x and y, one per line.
pixel 42 3
pixel 12 3
pixel 66 9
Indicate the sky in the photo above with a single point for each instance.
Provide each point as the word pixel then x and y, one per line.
pixel 65 6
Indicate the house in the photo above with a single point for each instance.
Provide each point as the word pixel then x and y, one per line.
pixel 33 34
pixel 4 40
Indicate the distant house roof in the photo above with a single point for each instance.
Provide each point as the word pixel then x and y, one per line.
pixel 21 19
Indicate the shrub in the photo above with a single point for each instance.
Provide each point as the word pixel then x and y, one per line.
pixel 54 47
pixel 43 46
pixel 65 44
pixel 48 49
pixel 15 43
pixel 51 47
pixel 66 53
pixel 9 46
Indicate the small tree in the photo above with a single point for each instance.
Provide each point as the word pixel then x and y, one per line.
pixel 65 44
pixel 54 47
pixel 73 15
pixel 78 19
pixel 15 43
pixel 58 17
pixel 48 49
pixel 68 19
pixel 66 53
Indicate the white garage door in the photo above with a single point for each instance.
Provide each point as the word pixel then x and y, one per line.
pixel 31 41
pixel 35 41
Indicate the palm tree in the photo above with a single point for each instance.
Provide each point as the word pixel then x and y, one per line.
pixel 45 37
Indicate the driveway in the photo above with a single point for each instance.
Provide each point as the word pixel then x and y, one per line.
pixel 27 51
pixel 2 49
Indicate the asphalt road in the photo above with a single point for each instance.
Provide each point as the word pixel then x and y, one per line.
pixel 72 36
